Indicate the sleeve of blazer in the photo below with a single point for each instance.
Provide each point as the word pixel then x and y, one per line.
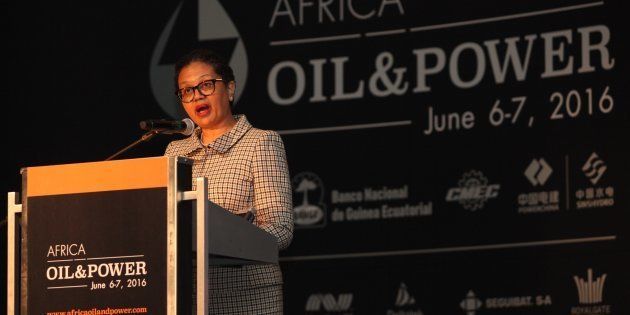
pixel 272 189
pixel 169 149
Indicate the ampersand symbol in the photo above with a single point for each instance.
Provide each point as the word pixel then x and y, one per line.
pixel 384 62
pixel 80 273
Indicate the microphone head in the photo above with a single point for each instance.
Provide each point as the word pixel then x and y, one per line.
pixel 190 127
pixel 145 125
pixel 169 127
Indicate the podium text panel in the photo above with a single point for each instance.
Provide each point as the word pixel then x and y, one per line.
pixel 102 250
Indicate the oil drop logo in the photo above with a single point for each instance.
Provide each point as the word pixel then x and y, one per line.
pixel 201 24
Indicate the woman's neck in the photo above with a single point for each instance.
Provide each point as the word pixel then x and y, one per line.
pixel 210 134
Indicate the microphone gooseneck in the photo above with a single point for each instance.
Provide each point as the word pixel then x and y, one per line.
pixel 155 127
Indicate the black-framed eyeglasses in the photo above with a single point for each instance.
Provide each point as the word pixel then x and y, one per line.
pixel 205 87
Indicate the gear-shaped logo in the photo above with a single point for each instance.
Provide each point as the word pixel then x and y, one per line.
pixel 473 191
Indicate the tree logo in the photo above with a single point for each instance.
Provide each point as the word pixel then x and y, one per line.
pixel 308 195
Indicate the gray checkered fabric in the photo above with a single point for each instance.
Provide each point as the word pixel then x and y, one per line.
pixel 246 170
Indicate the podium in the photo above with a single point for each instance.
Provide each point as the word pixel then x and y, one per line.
pixel 120 237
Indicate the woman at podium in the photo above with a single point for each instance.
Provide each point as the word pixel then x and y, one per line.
pixel 246 169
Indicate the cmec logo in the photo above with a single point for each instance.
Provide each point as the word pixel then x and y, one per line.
pixel 204 23
pixel 328 302
pixel 473 191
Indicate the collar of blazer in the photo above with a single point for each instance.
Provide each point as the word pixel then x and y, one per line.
pixel 223 143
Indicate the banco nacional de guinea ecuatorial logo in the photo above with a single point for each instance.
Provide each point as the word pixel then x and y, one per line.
pixel 204 23
pixel 308 195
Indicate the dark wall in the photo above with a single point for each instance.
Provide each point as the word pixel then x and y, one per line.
pixel 502 206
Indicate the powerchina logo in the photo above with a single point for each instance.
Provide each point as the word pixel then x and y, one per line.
pixel 204 23
pixel 308 197
pixel 538 199
pixel 538 172
pixel 473 190
pixel 590 295
pixel 329 303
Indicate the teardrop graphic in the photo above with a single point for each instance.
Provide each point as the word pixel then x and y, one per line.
pixel 214 27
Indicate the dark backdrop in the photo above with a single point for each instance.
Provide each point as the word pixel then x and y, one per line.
pixel 383 222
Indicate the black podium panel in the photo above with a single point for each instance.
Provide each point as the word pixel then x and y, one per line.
pixel 98 251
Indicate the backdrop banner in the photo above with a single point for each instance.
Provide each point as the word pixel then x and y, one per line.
pixel 446 157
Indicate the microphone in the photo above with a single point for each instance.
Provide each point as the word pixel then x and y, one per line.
pixel 185 126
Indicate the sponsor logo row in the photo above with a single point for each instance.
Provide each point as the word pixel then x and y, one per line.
pixel 472 192
pixel 589 299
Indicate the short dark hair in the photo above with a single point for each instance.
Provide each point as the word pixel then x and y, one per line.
pixel 209 57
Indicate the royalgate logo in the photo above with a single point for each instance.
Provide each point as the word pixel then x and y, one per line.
pixel 213 29
pixel 473 191
pixel 589 291
pixel 308 197
pixel 590 295
pixel 328 302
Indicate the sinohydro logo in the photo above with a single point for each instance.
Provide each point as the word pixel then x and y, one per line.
pixel 308 195
pixel 594 168
pixel 201 24
pixel 473 191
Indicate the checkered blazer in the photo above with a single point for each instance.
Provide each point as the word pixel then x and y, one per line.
pixel 246 170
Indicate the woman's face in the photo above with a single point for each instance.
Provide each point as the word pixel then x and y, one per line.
pixel 210 111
